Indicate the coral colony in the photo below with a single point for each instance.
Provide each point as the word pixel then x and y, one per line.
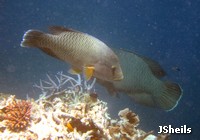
pixel 17 114
pixel 67 110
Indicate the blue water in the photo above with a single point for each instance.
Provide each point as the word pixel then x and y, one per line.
pixel 167 31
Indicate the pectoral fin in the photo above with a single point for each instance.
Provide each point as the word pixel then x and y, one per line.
pixel 89 72
pixel 74 71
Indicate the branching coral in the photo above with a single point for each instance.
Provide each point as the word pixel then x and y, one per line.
pixel 61 83
pixel 128 116
pixel 58 118
pixel 69 113
pixel 17 114
pixel 126 127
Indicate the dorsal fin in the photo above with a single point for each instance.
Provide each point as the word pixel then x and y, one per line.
pixel 60 29
pixel 155 67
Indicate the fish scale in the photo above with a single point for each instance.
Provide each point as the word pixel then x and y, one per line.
pixel 82 51
pixel 142 82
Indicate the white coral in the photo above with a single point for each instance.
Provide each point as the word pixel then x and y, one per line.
pixel 72 114
pixel 61 83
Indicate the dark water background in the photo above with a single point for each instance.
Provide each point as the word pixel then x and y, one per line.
pixel 167 31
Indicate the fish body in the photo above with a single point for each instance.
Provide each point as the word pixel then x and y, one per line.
pixel 142 82
pixel 84 52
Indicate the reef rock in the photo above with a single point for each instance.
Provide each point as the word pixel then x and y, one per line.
pixel 72 115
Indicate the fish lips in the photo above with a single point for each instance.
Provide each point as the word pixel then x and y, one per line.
pixel 119 78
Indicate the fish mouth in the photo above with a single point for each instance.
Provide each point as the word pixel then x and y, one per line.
pixel 119 78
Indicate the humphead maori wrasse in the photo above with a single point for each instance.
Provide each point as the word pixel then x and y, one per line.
pixel 83 52
pixel 142 82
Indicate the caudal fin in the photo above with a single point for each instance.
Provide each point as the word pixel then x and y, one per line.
pixel 170 97
pixel 32 38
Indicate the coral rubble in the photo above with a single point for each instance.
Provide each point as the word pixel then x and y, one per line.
pixel 69 113
pixel 70 116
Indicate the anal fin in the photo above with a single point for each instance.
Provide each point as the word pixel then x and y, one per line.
pixel 143 98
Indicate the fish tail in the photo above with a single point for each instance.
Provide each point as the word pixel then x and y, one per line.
pixel 170 97
pixel 32 38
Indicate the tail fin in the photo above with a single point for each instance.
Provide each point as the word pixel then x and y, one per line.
pixel 32 38
pixel 169 99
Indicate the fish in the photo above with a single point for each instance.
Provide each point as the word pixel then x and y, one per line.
pixel 142 82
pixel 85 53
pixel 176 68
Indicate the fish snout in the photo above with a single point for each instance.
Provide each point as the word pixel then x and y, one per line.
pixel 117 73
pixel 119 77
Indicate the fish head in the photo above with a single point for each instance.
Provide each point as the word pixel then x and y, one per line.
pixel 117 73
pixel 116 69
pixel 109 70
